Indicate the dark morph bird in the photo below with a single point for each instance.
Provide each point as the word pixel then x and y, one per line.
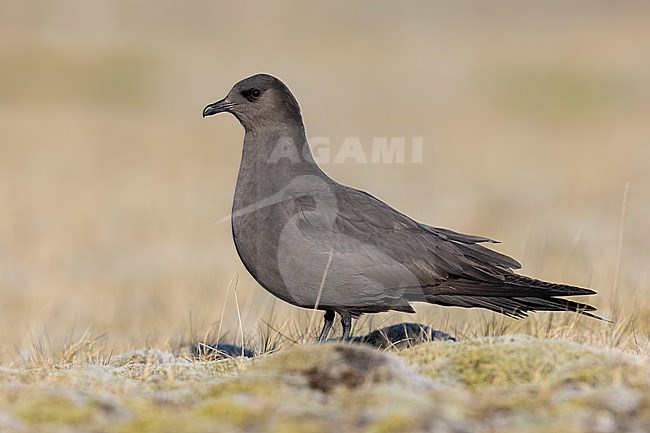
pixel 315 243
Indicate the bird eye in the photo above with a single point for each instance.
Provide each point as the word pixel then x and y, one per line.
pixel 256 93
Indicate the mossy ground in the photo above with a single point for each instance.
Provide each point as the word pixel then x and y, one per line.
pixel 505 384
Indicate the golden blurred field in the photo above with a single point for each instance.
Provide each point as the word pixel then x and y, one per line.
pixel 534 118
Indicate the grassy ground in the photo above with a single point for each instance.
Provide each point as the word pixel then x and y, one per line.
pixel 534 121
pixel 505 384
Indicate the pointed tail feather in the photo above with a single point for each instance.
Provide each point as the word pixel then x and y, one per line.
pixel 554 289
pixel 512 285
pixel 515 307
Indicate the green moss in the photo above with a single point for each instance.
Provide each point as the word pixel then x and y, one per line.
pixel 54 409
pixel 393 423
pixel 303 424
pixel 168 421
pixel 501 361
pixel 236 411
pixel 517 383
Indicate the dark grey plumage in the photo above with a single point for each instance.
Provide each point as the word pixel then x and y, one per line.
pixel 315 243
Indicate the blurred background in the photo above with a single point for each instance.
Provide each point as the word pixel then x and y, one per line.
pixel 534 119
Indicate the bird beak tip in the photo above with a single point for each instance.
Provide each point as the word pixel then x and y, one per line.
pixel 217 107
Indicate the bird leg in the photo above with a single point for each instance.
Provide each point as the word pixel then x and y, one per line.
pixel 329 320
pixel 346 323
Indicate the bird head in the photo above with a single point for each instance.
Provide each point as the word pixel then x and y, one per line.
pixel 257 102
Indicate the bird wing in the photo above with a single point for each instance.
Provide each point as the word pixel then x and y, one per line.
pixel 451 268
pixel 433 254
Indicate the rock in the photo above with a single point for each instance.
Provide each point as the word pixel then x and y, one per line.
pixel 402 335
pixel 395 336
pixel 219 351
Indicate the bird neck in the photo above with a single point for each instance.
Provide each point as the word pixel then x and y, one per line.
pixel 277 150
pixel 271 159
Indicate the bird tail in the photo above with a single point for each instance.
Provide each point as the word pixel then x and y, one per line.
pixel 515 297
